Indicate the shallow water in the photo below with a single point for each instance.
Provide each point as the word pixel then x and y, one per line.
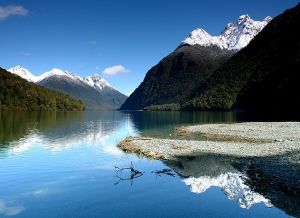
pixel 63 165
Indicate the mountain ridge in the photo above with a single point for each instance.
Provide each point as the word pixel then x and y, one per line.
pixel 18 93
pixel 176 76
pixel 261 78
pixel 90 80
pixel 235 36
pixel 95 91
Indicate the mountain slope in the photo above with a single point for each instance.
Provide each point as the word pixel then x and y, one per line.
pixel 115 98
pixel 96 82
pixel 67 83
pixel 261 77
pixel 76 89
pixel 96 92
pixel 17 93
pixel 173 80
pixel 22 72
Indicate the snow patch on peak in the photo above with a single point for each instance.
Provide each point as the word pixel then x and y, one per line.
pixel 235 36
pixel 73 75
pixel 56 72
pixel 232 184
pixel 200 36
pixel 268 19
pixel 96 82
pixel 23 72
pixel 243 18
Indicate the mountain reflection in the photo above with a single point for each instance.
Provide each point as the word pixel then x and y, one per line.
pixel 8 210
pixel 203 172
pixel 232 184
pixel 16 125
pixel 247 182
pixel 57 131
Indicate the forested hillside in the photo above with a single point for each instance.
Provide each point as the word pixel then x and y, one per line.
pixel 263 77
pixel 17 93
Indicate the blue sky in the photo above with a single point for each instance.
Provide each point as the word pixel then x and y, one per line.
pixel 90 36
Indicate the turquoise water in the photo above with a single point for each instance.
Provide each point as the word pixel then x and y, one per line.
pixel 63 165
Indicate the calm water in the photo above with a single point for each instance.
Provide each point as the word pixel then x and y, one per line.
pixel 63 165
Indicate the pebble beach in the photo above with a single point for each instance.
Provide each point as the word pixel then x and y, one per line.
pixel 253 139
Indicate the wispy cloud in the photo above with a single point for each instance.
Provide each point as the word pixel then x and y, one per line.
pixel 114 70
pixel 12 10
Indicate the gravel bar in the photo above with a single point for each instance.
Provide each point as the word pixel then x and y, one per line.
pixel 255 139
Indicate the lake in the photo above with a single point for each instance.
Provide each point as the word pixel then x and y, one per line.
pixel 64 165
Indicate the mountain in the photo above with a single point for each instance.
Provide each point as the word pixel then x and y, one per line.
pixel 234 37
pixel 94 91
pixel 22 72
pixel 18 93
pixel 263 77
pixel 97 82
pixel 203 172
pixel 174 77
pixel 64 82
pixel 115 97
pixel 173 80
pixel 232 184
pixel 57 72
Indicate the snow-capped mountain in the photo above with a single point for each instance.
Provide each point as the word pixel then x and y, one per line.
pixel 176 78
pixel 232 184
pixel 57 72
pixel 23 72
pixel 235 36
pixel 95 91
pixel 96 82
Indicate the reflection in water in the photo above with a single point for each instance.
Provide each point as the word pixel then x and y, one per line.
pixel 83 154
pixel 63 130
pixel 166 171
pixel 163 123
pixel 16 125
pixel 127 174
pixel 277 181
pixel 8 210
pixel 57 131
pixel 204 172
pixel 247 182
pixel 232 184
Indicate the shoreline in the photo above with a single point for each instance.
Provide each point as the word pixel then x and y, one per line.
pixel 252 139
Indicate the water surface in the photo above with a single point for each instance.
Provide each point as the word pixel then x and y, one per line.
pixel 63 165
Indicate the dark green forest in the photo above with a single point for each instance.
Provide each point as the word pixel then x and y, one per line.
pixel 17 93
pixel 176 76
pixel 262 77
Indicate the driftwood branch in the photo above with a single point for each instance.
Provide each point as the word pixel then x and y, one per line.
pixel 165 171
pixel 134 173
